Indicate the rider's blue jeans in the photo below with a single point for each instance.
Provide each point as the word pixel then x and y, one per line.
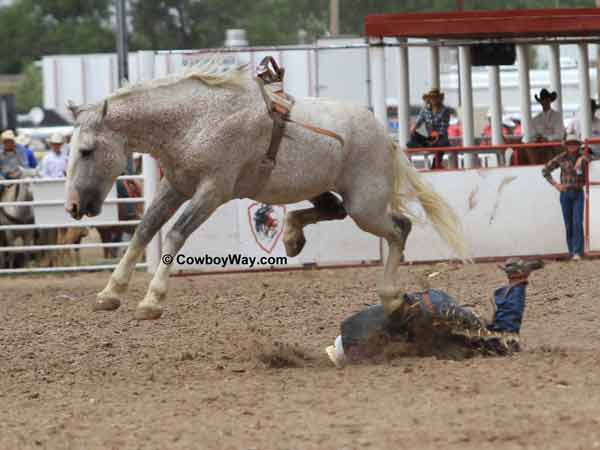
pixel 510 306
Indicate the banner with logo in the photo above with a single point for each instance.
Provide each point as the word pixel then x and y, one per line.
pixel 246 235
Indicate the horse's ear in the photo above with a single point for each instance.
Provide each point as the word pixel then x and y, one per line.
pixel 73 108
pixel 104 109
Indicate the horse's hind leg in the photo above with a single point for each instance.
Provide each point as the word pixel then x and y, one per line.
pixel 373 216
pixel 162 208
pixel 204 202
pixel 326 207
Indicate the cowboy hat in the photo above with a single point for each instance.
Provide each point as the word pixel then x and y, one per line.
pixel 8 135
pixel 572 138
pixel 545 94
pixel 23 139
pixel 435 92
pixel 56 138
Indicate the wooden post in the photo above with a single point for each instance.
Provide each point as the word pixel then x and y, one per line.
pixel 334 17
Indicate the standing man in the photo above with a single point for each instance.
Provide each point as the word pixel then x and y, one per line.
pixel 54 164
pixel 572 179
pixel 547 126
pixel 435 116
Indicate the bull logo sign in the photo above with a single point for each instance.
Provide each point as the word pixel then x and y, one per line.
pixel 266 223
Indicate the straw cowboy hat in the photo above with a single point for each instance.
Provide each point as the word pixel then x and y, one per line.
pixel 8 135
pixel 572 138
pixel 23 139
pixel 435 92
pixel 545 94
pixel 56 138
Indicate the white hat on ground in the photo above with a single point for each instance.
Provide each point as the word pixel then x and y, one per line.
pixel 8 135
pixel 336 353
pixel 57 138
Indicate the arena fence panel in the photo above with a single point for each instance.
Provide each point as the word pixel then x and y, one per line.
pixel 49 214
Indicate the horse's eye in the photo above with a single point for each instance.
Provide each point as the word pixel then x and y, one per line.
pixel 86 152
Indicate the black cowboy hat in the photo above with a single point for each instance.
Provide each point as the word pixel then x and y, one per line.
pixel 545 94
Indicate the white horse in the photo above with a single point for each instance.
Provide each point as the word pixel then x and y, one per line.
pixel 210 131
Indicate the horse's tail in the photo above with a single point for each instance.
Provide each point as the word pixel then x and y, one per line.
pixel 408 185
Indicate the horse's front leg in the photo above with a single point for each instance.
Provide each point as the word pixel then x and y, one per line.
pixel 162 208
pixel 204 202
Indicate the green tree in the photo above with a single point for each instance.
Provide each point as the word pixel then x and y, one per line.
pixel 29 90
pixel 30 29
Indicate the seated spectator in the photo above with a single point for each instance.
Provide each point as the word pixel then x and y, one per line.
pixel 23 142
pixel 435 118
pixel 518 129
pixel 487 130
pixel 455 128
pixel 546 126
pixel 54 164
pixel 575 128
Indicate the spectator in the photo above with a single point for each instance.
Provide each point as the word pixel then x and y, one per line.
pixel 11 161
pixel 547 125
pixel 455 128
pixel 487 130
pixel 23 142
pixel 66 149
pixel 572 179
pixel 518 129
pixel 575 128
pixel 435 117
pixel 54 164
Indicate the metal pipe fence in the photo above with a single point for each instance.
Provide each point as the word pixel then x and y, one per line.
pixel 51 247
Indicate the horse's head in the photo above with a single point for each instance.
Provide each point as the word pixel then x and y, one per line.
pixel 98 156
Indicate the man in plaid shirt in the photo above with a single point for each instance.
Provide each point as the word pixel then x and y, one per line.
pixel 436 118
pixel 572 180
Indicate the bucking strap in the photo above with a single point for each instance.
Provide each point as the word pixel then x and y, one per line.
pixel 318 130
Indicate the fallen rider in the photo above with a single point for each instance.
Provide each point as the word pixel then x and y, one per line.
pixel 435 321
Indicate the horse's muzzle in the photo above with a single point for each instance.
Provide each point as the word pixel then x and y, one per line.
pixel 72 205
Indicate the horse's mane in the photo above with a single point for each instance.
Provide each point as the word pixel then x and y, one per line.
pixel 210 71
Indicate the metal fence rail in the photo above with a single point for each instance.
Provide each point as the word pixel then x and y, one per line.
pixel 58 203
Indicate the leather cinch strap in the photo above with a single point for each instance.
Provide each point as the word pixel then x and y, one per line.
pixel 269 73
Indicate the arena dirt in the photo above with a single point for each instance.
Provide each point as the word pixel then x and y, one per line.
pixel 237 362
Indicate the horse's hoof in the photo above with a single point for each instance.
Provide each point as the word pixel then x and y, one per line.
pixel 106 304
pixel 293 247
pixel 391 305
pixel 391 298
pixel 148 312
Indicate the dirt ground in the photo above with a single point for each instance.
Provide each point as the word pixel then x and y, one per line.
pixel 200 378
